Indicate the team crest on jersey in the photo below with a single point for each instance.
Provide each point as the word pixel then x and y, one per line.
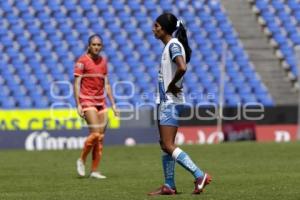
pixel 175 48
pixel 79 65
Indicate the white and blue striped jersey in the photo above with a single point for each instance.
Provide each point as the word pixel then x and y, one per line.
pixel 167 71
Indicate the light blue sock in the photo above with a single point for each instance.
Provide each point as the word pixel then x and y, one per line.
pixel 185 161
pixel 168 167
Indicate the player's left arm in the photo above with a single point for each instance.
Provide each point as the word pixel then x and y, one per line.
pixel 181 69
pixel 176 56
pixel 110 96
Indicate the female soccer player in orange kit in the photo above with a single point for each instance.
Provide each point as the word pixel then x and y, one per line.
pixel 175 56
pixel 91 80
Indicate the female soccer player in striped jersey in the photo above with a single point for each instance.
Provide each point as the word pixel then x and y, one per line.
pixel 175 56
pixel 91 80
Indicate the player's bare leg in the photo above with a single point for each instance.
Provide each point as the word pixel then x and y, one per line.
pixel 92 120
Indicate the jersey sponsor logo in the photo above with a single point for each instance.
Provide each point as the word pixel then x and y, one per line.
pixel 175 49
pixel 79 65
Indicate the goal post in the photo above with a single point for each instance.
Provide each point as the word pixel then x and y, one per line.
pixel 297 56
pixel 221 87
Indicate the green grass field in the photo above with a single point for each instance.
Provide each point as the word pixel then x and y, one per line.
pixel 243 171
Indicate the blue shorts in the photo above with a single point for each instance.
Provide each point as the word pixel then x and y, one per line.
pixel 169 114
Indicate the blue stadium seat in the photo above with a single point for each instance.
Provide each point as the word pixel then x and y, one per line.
pixel 6 7
pixel 59 16
pixel 277 5
pixel 109 17
pixel 85 5
pixel 130 28
pixel 281 26
pixel 294 5
pixel 101 5
pixel 37 6
pixel 150 5
pixel 265 100
pixel 232 100
pixel 166 5
pixel 23 41
pixel 54 5
pixel 17 30
pixel 124 16
pixel 93 19
pixel 13 20
pixel 64 28
pixel 69 5
pixel 8 103
pixel 48 47
pixel 25 102
pixel 297 15
pixel 6 40
pixel 76 17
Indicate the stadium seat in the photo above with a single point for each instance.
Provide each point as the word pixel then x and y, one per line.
pixel 282 21
pixel 52 40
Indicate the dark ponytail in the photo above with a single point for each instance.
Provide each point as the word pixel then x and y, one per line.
pixel 171 24
pixel 181 35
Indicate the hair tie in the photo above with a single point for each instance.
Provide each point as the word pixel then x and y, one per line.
pixel 178 23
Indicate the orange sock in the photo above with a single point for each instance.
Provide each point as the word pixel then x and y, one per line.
pixel 91 140
pixel 97 154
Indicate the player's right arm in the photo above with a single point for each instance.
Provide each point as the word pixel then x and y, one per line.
pixel 78 71
pixel 76 94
